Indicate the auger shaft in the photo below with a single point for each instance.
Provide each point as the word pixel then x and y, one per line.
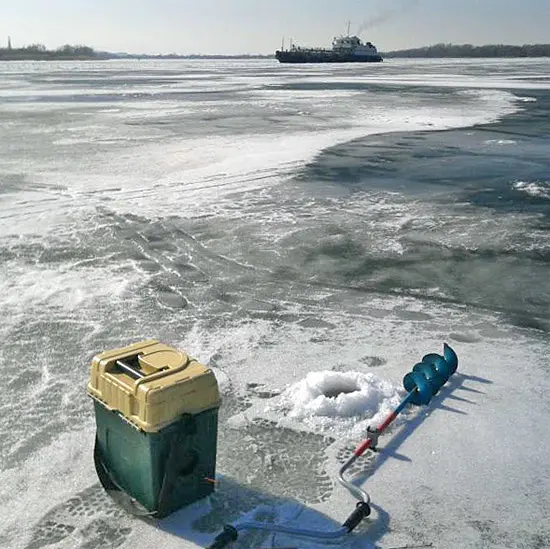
pixel 362 448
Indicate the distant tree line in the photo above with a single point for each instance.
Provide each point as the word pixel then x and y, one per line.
pixel 190 56
pixel 468 50
pixel 40 52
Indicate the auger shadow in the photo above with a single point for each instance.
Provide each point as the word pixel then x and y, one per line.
pixel 455 383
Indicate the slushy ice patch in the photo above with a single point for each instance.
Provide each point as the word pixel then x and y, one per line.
pixel 536 189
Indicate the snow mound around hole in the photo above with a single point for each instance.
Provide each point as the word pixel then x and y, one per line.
pixel 338 395
pixel 327 402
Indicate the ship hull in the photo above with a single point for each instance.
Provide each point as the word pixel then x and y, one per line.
pixel 324 57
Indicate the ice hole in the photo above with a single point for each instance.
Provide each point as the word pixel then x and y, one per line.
pixel 338 387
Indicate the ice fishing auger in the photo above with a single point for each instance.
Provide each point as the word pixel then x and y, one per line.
pixel 421 384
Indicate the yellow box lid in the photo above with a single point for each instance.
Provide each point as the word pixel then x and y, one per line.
pixel 151 384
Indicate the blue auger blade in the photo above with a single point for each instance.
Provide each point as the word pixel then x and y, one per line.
pixel 440 364
pixel 450 357
pixel 415 382
pixel 430 374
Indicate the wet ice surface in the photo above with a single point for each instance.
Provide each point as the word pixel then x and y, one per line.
pixel 238 211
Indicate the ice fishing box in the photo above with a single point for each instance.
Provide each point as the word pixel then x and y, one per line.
pixel 156 415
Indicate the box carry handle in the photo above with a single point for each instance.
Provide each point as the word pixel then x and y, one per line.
pixel 128 366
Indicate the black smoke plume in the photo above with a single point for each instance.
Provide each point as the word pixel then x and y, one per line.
pixel 390 10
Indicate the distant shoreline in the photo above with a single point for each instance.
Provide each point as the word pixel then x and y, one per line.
pixel 443 51
pixel 25 54
pixel 123 57
pixel 437 51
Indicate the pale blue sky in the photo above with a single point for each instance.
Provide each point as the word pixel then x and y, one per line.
pixel 257 26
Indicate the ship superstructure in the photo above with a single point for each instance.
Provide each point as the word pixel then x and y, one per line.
pixel 345 49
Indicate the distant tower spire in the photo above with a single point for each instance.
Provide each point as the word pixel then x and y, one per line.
pixel 9 42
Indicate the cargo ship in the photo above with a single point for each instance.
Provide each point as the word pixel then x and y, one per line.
pixel 345 49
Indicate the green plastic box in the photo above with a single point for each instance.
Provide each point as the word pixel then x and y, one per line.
pixel 156 414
